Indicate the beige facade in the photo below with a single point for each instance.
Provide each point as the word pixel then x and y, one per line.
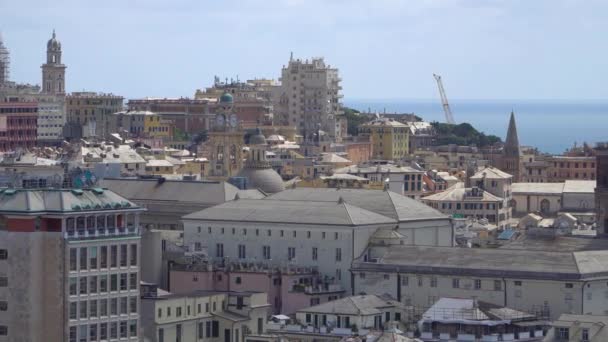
pixel 309 98
pixel 92 112
pixel 578 328
pixel 209 316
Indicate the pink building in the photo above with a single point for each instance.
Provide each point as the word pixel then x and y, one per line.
pixel 288 288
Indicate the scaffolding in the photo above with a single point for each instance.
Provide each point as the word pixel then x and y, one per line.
pixel 5 61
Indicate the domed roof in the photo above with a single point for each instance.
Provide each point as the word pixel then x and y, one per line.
pixel 265 179
pixel 226 98
pixel 53 43
pixel 257 138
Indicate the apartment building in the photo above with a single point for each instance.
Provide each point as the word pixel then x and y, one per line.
pixel 18 125
pixel 389 138
pixel 309 98
pixel 404 180
pixel 217 316
pixel 91 113
pixel 578 328
pixel 70 265
pixel 562 168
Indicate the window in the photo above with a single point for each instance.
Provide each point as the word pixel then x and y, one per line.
pixel 563 334
pixel 103 283
pixel 339 274
pixel 133 255
pixel 123 305
pixel 123 281
pixel 291 253
pixel 433 281
pixel 295 234
pixel 103 257
pixel 3 330
pixel 200 330
pixel 585 335
pixel 103 331
pixel 103 307
pixel 83 309
pixel 497 285
pixel 238 280
pixel 133 328
pixel 219 250
pixel 308 234
pixel 133 281
pixel 161 335
pixel 338 254
pixel 569 285
pixel 242 253
pixel 322 235
pixel 336 236
pixel 178 333
pixel 477 284
pixel 455 283
pixel 266 252
pixel 113 256
pixel 93 258
pixel 517 283
pixel 315 253
pixel 73 286
pixel 123 255
pixel 93 308
pixel 282 233
pixel 123 329
pixel 93 284
pixel 83 285
pixel 73 310
pixel 114 282
pixel 83 258
pixel 73 259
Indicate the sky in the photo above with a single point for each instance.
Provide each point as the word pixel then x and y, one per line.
pixel 384 49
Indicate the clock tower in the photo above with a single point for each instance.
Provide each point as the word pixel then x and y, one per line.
pixel 225 141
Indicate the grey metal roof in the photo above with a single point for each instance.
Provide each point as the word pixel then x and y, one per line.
pixel 296 212
pixel 385 203
pixel 61 200
pixel 210 193
pixel 355 305
pixel 538 188
pixel 491 262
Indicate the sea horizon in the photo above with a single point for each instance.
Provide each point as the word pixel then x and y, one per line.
pixel 562 122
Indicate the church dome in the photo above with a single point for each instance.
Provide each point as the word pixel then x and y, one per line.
pixel 226 98
pixel 265 179
pixel 53 43
pixel 257 138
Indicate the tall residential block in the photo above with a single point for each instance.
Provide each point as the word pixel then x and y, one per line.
pixel 90 113
pixel 309 98
pixel 69 265
pixel 389 138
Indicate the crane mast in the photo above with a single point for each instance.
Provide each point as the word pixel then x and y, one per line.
pixel 444 101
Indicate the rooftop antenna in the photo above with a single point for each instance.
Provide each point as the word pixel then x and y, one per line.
pixel 291 56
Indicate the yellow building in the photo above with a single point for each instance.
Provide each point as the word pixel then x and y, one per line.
pixel 389 138
pixel 156 127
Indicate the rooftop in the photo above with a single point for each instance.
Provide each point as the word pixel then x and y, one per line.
pixel 294 212
pixel 491 173
pixel 538 188
pixel 35 201
pixel 386 203
pixel 355 305
pixel 580 186
pixel 458 193
pixel 497 262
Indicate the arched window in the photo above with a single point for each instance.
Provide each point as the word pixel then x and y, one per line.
pixel 545 206
pixel 233 154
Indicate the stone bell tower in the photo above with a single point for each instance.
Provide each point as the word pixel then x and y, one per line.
pixel 53 71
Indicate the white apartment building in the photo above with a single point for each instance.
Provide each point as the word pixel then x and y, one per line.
pixel 69 266
pixel 546 283
pixel 51 118
pixel 309 98
pixel 404 180
pixel 202 315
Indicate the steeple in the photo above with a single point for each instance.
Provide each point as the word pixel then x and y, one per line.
pixel 5 62
pixel 53 71
pixel 511 147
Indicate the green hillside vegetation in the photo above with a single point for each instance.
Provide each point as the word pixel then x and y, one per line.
pixel 462 134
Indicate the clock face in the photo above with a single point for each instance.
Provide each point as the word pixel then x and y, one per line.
pixel 233 120
pixel 220 120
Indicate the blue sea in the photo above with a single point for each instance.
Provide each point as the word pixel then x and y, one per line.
pixel 552 126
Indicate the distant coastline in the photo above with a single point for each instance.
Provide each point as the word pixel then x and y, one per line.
pixel 551 125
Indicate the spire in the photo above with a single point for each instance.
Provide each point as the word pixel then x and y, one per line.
pixel 54 34
pixel 512 141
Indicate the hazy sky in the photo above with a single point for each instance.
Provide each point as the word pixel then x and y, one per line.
pixel 485 49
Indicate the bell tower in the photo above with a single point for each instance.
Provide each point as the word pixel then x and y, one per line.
pixel 511 153
pixel 53 71
pixel 225 142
